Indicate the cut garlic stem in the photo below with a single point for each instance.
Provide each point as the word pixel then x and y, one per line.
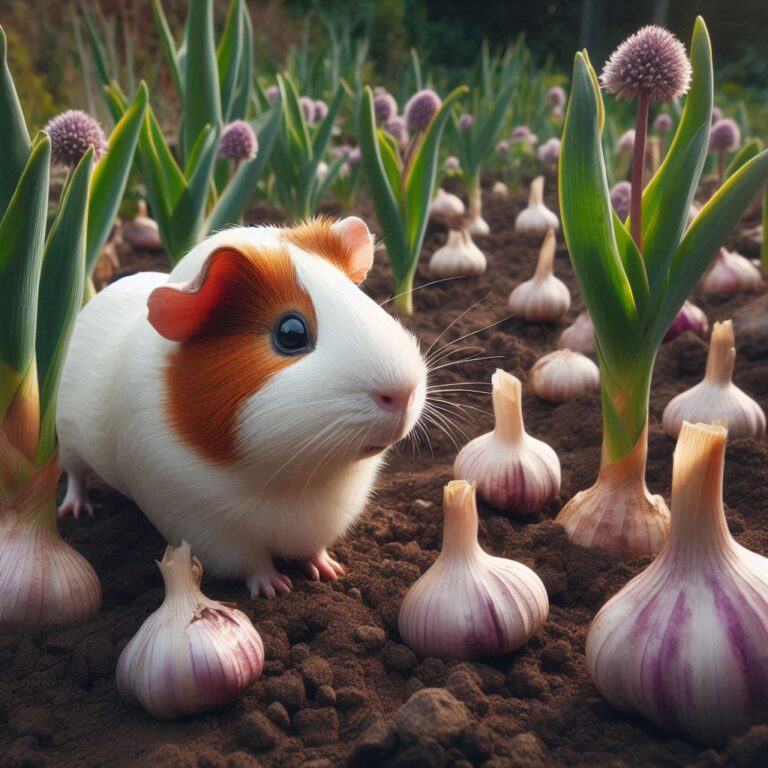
pixel 507 400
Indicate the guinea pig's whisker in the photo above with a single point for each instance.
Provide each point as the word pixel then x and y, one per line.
pixel 424 285
pixel 467 335
pixel 465 360
pixel 326 449
pixel 461 406
pixel 452 323
pixel 440 419
pixel 447 351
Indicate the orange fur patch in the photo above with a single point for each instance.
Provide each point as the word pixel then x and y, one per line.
pixel 231 357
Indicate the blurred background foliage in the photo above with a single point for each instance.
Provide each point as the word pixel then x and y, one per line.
pixel 47 36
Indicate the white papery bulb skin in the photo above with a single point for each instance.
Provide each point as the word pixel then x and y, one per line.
pixel 732 273
pixel 562 375
pixel 470 604
pixel 513 470
pixel 536 219
pixel 500 189
pixel 543 298
pixel 716 397
pixel 459 257
pixel 446 208
pixel 684 642
pixel 192 654
pixel 579 335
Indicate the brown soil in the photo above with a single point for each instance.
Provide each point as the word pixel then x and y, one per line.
pixel 536 707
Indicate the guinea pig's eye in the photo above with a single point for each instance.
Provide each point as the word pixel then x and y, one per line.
pixel 291 334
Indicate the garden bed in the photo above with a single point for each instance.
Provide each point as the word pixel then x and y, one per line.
pixel 335 665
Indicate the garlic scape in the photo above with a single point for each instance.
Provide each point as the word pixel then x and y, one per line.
pixel 513 470
pixel 469 603
pixel 536 219
pixel 192 654
pixel 459 257
pixel 543 298
pixel 717 397
pixel 684 643
pixel 579 336
pixel 732 273
pixel 564 374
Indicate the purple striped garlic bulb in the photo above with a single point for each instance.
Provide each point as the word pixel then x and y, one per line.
pixel 732 273
pixel 684 643
pixel 689 318
pixel 192 654
pixel 513 470
pixel 563 375
pixel 470 603
pixel 716 396
pixel 579 335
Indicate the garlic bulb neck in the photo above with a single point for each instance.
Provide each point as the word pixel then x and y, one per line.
pixel 460 520
pixel 721 357
pixel 536 193
pixel 546 261
pixel 507 408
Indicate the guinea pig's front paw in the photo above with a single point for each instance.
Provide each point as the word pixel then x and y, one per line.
pixel 322 566
pixel 267 582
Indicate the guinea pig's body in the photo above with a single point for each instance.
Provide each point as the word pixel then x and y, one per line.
pixel 245 401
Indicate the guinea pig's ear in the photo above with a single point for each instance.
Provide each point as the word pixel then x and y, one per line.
pixel 357 244
pixel 180 311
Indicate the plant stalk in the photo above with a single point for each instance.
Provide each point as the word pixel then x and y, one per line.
pixel 638 163
pixel 474 196
pixel 403 301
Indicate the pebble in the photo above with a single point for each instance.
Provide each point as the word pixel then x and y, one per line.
pixel 399 657
pixel 257 732
pixel 316 727
pixel 288 689
pixel 375 743
pixel 422 504
pixel 356 594
pixel 371 637
pixel 325 696
pixel 433 713
pixel 316 672
pixel 278 714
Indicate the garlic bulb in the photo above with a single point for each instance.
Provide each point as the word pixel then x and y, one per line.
pixel 446 208
pixel 513 470
pixel 543 298
pixel 562 375
pixel 478 226
pixel 579 335
pixel 689 318
pixel 458 257
pixel 42 579
pixel 716 396
pixel 192 654
pixel 500 189
pixel 470 603
pixel 684 643
pixel 732 273
pixel 536 219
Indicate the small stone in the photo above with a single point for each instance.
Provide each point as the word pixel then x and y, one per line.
pixel 278 714
pixel 555 656
pixel 316 727
pixel 349 698
pixel 375 743
pixel 371 637
pixel 432 712
pixel 325 696
pixel 399 657
pixel 288 689
pixel 257 732
pixel 526 682
pixel 422 504
pixel 316 672
pixel 356 594
pixel 526 750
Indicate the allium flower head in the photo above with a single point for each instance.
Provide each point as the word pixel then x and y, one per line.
pixel 662 123
pixel 396 128
pixel 502 147
pixel 342 150
pixel 724 136
pixel 451 163
pixel 521 134
pixel 353 158
pixel 651 62
pixel 556 96
pixel 549 151
pixel 321 110
pixel 465 121
pixel 72 132
pixel 620 199
pixel 272 93
pixel 420 110
pixel 384 107
pixel 238 142
pixel 308 108
pixel 626 142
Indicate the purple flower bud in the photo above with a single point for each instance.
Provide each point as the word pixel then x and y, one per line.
pixel 689 318
pixel 717 114
pixel 465 121
pixel 626 142
pixel 549 151
pixel 72 133
pixel 651 62
pixel 521 134
pixel 384 107
pixel 662 123
pixel 556 96
pixel 342 150
pixel 420 110
pixel 321 110
pixel 238 142
pixel 502 147
pixel 724 136
pixel 308 108
pixel 272 93
pixel 353 158
pixel 621 195
pixel 395 127
pixel 451 163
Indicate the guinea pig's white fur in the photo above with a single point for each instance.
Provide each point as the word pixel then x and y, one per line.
pixel 299 480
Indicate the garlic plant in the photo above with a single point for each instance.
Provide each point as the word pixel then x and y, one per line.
pixel 470 603
pixel 564 374
pixel 446 208
pixel 544 298
pixel 684 643
pixel 579 335
pixel 459 257
pixel 536 219
pixel 717 397
pixel 193 653
pixel 513 470
pixel 732 273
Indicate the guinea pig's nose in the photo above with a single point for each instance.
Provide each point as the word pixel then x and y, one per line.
pixel 395 399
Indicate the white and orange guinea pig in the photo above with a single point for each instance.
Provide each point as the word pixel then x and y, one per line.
pixel 245 402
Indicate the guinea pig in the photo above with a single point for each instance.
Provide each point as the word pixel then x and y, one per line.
pixel 244 402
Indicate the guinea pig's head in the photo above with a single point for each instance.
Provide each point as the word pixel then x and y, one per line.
pixel 280 361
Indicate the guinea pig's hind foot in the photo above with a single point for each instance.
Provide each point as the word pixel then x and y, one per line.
pixel 268 582
pixel 322 566
pixel 76 498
